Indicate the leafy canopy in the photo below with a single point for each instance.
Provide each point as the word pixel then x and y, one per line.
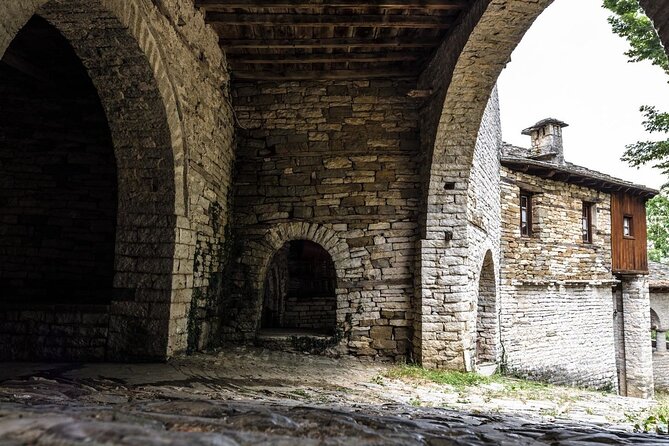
pixel 658 227
pixel 630 22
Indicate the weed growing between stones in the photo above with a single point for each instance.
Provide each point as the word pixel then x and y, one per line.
pixel 456 379
pixel 654 420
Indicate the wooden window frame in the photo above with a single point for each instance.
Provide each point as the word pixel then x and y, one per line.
pixel 586 218
pixel 630 235
pixel 528 213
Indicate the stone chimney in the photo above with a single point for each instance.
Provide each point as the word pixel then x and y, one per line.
pixel 547 140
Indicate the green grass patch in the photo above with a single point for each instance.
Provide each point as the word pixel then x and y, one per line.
pixel 655 419
pixel 449 377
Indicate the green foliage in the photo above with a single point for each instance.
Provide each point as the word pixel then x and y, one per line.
pixel 658 228
pixel 657 421
pixel 631 23
pixel 655 152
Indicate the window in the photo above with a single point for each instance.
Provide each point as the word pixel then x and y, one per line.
pixel 525 214
pixel 586 222
pixel 628 228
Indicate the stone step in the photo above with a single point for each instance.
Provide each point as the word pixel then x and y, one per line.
pixel 486 368
pixel 295 341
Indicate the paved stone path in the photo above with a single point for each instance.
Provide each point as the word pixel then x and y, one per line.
pixel 196 402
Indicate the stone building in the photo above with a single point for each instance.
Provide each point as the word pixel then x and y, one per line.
pixel 171 172
pixel 658 284
pixel 574 305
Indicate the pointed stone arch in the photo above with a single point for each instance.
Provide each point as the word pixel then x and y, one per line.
pixel 655 322
pixel 17 13
pixel 461 77
pixel 256 259
pixel 124 62
pixel 487 314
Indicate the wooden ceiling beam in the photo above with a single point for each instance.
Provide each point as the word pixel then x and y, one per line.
pixel 261 75
pixel 330 20
pixel 429 5
pixel 320 58
pixel 276 44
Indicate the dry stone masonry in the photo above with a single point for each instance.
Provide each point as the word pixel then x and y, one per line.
pixel 565 317
pixel 343 156
pixel 165 186
pixel 172 146
pixel 658 282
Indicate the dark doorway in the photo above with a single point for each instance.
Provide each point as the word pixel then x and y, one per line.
pixel 300 289
pixel 58 183
pixel 486 314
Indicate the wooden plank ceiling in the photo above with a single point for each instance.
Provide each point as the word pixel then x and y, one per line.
pixel 317 39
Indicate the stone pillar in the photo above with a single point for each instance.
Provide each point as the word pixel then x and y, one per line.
pixel 661 341
pixel 636 327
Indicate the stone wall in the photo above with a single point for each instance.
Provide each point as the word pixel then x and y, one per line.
pixel 487 315
pixel 483 217
pixel 299 290
pixel 659 302
pixel 311 312
pixel 555 250
pixel 619 338
pixel 661 371
pixel 160 75
pixel 53 332
pixel 462 76
pixel 556 304
pixel 57 179
pixel 342 156
pixel 559 333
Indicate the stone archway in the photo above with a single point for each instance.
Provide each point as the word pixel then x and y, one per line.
pixel 461 79
pixel 487 312
pixel 245 318
pixel 144 131
pixel 299 290
pixel 58 193
pixel 655 323
pixel 16 14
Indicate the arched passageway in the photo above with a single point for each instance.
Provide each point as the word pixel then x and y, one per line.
pixel 300 289
pixel 654 320
pixel 461 79
pixel 487 314
pixel 87 191
pixel 58 189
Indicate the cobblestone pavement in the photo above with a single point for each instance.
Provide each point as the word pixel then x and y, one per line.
pixel 252 398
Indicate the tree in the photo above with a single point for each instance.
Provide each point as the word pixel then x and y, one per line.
pixel 630 22
pixel 658 227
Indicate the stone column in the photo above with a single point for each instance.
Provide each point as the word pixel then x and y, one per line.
pixel 661 341
pixel 638 348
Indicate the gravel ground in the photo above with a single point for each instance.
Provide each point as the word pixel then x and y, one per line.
pixel 254 396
